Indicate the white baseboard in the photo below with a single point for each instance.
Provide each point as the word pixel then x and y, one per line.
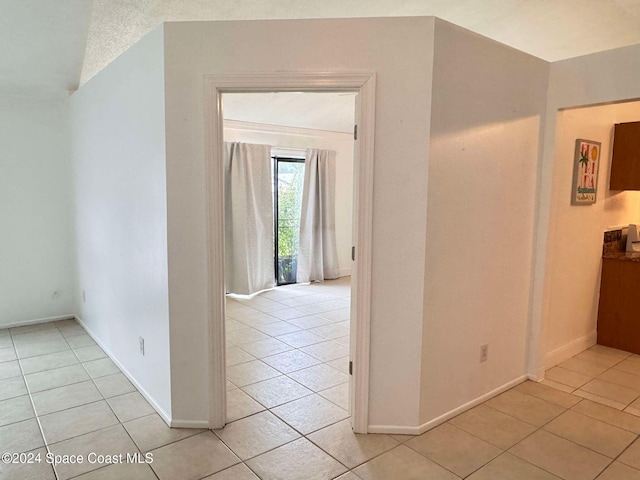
pixel 418 430
pixel 189 424
pixel 567 351
pixel 164 415
pixel 24 323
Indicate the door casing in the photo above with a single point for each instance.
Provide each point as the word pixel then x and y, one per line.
pixel 364 85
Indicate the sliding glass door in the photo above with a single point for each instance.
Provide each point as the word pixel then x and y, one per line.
pixel 288 180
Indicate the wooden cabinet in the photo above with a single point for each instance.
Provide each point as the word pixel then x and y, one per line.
pixel 625 164
pixel 619 307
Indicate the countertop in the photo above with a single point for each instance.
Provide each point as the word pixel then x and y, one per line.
pixel 624 256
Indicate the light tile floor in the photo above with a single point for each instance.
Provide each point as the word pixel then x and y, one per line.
pixel 60 394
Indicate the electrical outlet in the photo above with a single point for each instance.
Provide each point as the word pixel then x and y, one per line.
pixel 484 352
pixel 142 345
pixel 84 297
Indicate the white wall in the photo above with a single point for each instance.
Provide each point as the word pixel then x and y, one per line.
pixel 302 138
pixel 118 152
pixel 36 245
pixel 605 77
pixel 399 51
pixel 488 100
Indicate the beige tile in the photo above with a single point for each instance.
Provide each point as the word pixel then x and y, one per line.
pixel 86 354
pixel 12 387
pixel 528 408
pixel 402 463
pixel 71 330
pixel 326 351
pixel 609 415
pixel 21 436
pixel 288 313
pixel 454 449
pixel 130 406
pixel 309 321
pixel 236 355
pixel 10 369
pixel 69 396
pixel 122 471
pixel 114 385
pixel 67 322
pixel 567 377
pixel 151 432
pixel 34 348
pixel 232 325
pixel 108 441
pixel 338 395
pixel 101 368
pixel 256 434
pixel 278 328
pixel 263 348
pixel 629 365
pixel 601 400
pixel 29 471
pixel 510 467
pixel 276 391
pixel 619 471
pixel 560 457
pixel 7 354
pixel 76 421
pixel 301 339
pixel 557 386
pixel 622 378
pixel 5 341
pixel 319 377
pixel 597 357
pixel 58 377
pixel 591 433
pixel 340 364
pixel 549 394
pixel 240 405
pixel 36 327
pixel 310 413
pixel 631 455
pixel 351 449
pixel 48 362
pixel 192 458
pixel 250 372
pixel 15 410
pixel 81 341
pixel 402 438
pixel 614 392
pixel 612 352
pixel 230 386
pixel 237 472
pixel 246 335
pixel 492 426
pixel 331 331
pixel 348 476
pixel 584 367
pixel 291 361
pixel 284 463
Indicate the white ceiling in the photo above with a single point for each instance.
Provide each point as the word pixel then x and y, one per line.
pixel 322 111
pixel 44 41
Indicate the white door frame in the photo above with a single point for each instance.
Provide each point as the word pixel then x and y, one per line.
pixel 364 85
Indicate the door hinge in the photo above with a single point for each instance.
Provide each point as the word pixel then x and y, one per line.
pixel 350 368
pixel 353 254
pixel 355 132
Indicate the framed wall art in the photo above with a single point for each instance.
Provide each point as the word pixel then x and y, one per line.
pixel 585 172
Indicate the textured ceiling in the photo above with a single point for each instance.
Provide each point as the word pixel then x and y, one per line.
pixel 44 42
pixel 549 29
pixel 323 111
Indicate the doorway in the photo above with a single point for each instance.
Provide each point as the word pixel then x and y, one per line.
pixel 364 86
